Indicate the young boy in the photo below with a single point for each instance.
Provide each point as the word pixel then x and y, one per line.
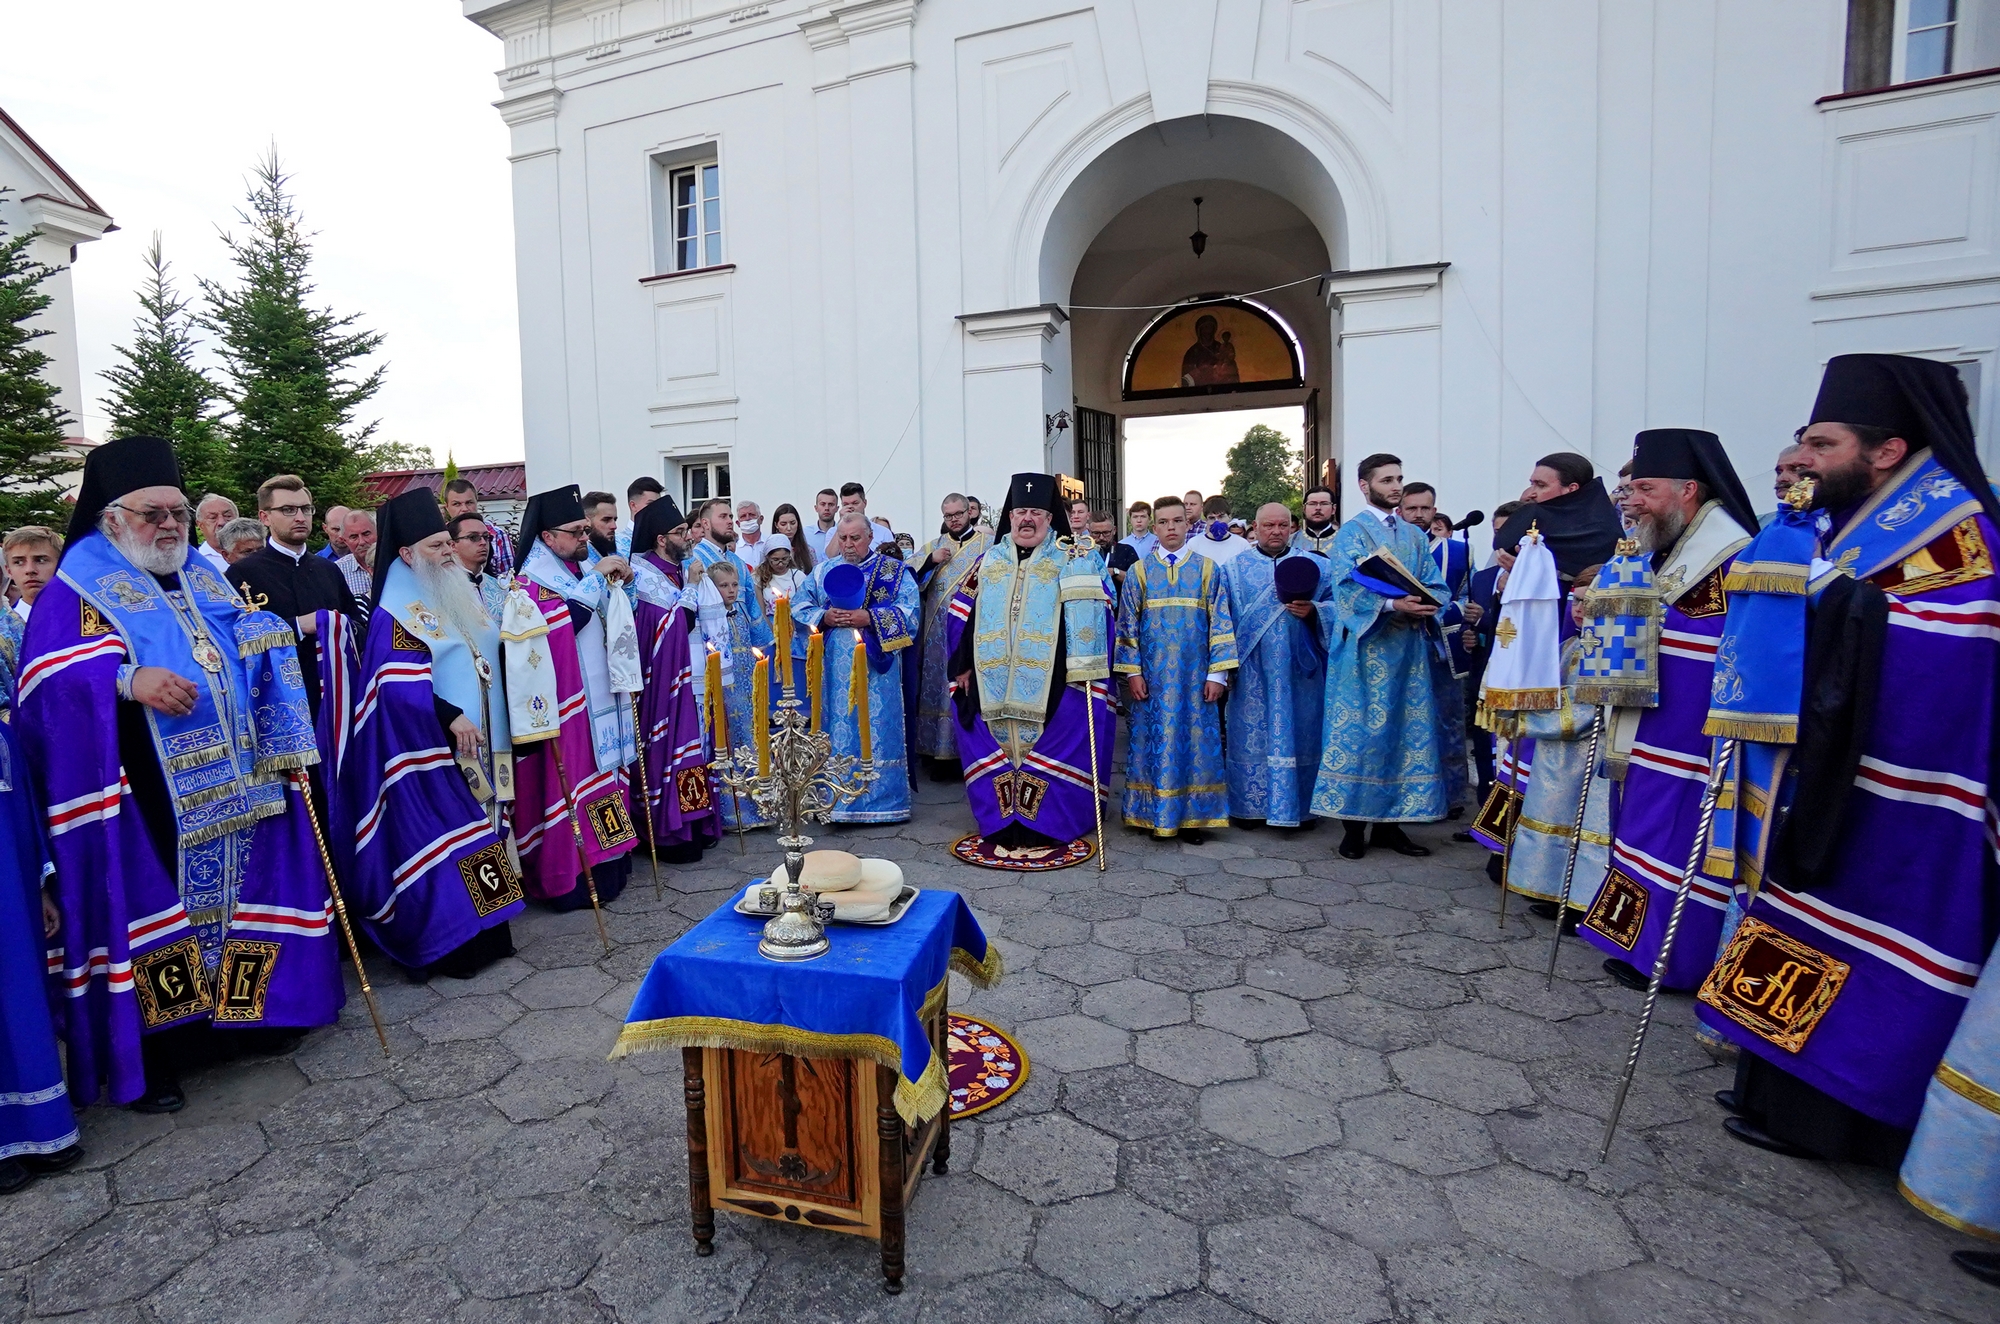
pixel 31 553
pixel 1175 648
pixel 729 628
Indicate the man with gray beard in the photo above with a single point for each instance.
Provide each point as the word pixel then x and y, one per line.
pixel 424 765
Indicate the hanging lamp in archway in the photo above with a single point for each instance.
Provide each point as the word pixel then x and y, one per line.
pixel 1214 347
pixel 1197 241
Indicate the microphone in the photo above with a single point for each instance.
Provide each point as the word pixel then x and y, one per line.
pixel 1475 517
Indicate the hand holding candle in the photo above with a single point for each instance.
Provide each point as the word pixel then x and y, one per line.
pixel 857 694
pixel 760 701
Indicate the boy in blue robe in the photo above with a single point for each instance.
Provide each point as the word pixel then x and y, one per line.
pixel 1382 761
pixel 1176 645
pixel 737 636
pixel 1276 704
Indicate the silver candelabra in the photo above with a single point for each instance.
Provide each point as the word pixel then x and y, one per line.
pixel 807 782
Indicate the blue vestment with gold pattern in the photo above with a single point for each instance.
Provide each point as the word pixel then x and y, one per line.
pixel 893 607
pixel 1174 630
pixel 1279 694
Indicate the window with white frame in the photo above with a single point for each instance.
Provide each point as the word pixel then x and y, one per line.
pixel 694 199
pixel 1934 38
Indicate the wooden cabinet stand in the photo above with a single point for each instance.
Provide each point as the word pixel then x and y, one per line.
pixel 814 1140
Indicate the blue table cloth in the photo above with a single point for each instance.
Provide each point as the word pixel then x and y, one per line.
pixel 868 997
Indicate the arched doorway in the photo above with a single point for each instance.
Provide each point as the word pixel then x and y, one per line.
pixel 1119 246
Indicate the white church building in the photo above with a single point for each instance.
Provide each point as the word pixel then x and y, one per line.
pixel 763 248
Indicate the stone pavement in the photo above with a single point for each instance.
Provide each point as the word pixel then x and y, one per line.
pixel 1267 1084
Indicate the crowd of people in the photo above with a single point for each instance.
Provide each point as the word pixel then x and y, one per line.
pixel 224 757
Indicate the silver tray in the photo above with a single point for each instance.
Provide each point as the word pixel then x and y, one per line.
pixel 897 909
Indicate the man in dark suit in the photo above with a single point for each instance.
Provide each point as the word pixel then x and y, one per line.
pixel 295 583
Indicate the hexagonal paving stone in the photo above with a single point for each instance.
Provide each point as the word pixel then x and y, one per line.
pixel 1445 952
pixel 1270 1118
pixel 1086 963
pixel 1387 921
pixel 1467 1080
pixel 1136 1004
pixel 1382 1206
pixel 1047 1158
pixel 1565 1145
pixel 1705 1236
pixel 1196 1055
pixel 1498 1032
pixel 1277 914
pixel 1073 1043
pixel 1203 1177
pixel 1251 1013
pixel 1431 1138
pixel 1402 895
pixel 575 986
pixel 1227 886
pixel 1118 1251
pixel 1322 1065
pixel 1183 909
pixel 1530 994
pixel 1191 971
pixel 1263 866
pixel 1289 1271
pixel 1013 900
pixel 188 1161
pixel 1139 935
pixel 1233 939
pixel 1370 1022
pixel 1315 891
pixel 1542 1220
pixel 1449 1284
pixel 1412 986
pixel 468 1018
pixel 1129 1101
pixel 1295 975
pixel 1194 1308
pixel 1139 883
pixel 1093 905
pixel 1024 996
pixel 38 1218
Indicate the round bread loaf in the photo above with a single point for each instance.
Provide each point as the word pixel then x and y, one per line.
pixel 824 871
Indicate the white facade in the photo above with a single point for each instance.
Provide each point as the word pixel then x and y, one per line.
pixel 43 196
pixel 1554 222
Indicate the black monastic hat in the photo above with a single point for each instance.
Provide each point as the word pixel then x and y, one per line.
pixel 116 469
pixel 1033 492
pixel 661 515
pixel 1920 400
pixel 1581 528
pixel 546 510
pixel 403 521
pixel 1690 453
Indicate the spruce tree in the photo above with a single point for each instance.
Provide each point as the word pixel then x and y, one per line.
pixel 1263 467
pixel 34 462
pixel 295 377
pixel 159 392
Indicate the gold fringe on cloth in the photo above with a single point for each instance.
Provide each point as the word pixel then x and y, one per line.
pixel 917 1101
pixel 234 823
pixel 1615 602
pixel 1523 701
pixel 281 637
pixel 199 758
pixel 1948 1219
pixel 1765 577
pixel 1765 728
pixel 286 762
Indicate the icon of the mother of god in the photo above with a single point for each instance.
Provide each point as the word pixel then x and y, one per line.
pixel 1209 361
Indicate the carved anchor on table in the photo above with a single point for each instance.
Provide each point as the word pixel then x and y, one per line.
pixel 791 1165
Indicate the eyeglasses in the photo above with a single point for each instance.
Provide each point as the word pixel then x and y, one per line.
pixel 473 537
pixel 160 516
pixel 573 530
pixel 291 512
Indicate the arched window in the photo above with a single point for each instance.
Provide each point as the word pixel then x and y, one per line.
pixel 1213 348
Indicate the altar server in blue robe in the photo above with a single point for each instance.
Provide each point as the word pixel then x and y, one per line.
pixel 1176 647
pixel 1383 759
pixel 37 1129
pixel 883 621
pixel 1281 603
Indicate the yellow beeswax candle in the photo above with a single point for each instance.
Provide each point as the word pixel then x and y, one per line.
pixel 783 649
pixel 857 694
pixel 815 664
pixel 760 698
pixel 712 693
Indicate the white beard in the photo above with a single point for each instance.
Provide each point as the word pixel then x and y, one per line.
pixel 141 550
pixel 446 591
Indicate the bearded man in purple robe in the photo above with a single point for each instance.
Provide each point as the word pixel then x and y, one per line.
pixel 681 813
pixel 165 724
pixel 1878 680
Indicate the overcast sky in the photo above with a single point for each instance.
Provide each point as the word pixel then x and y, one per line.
pixel 1176 452
pixel 382 112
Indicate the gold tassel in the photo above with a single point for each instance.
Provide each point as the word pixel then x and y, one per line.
pixel 1776 577
pixel 264 643
pixel 983 974
pixel 1770 729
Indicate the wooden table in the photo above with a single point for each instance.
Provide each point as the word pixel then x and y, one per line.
pixel 813 1140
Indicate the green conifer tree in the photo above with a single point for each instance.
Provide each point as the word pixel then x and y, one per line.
pixel 1263 467
pixel 34 461
pixel 159 392
pixel 294 372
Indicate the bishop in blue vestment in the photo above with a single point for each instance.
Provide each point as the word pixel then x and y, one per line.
pixel 1278 700
pixel 1381 761
pixel 1176 646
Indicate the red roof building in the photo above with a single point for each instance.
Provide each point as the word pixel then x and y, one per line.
pixel 502 488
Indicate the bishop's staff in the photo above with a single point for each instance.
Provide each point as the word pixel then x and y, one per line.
pixel 303 785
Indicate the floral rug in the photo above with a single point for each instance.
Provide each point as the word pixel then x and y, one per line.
pixel 975 849
pixel 987 1066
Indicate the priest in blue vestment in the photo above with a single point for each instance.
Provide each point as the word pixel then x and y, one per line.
pixel 881 618
pixel 1176 647
pixel 1281 603
pixel 1382 759
pixel 1019 689
pixel 37 1128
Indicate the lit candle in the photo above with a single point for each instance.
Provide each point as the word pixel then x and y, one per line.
pixel 712 691
pixel 815 657
pixel 760 705
pixel 783 651
pixel 857 694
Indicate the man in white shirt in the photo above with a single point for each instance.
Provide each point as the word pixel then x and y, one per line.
pixel 1202 540
pixel 854 501
pixel 31 553
pixel 214 511
pixel 750 540
pixel 826 511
